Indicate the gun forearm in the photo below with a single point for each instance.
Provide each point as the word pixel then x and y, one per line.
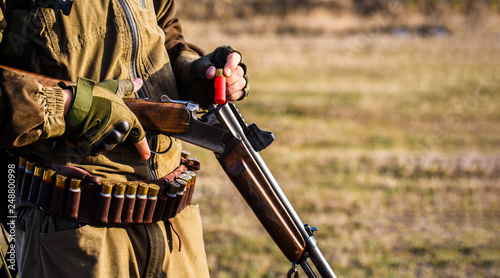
pixel 261 198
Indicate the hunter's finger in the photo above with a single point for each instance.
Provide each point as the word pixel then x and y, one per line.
pixel 235 96
pixel 236 77
pixel 232 62
pixel 137 84
pixel 210 72
pixel 143 149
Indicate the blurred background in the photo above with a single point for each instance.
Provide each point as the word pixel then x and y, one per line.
pixel 387 122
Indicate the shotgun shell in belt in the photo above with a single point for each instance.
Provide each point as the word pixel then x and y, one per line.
pixel 151 204
pixel 178 199
pixel 57 202
pixel 22 162
pixel 140 203
pixel 185 154
pixel 116 207
pixel 107 188
pixel 104 202
pixel 30 167
pixel 74 185
pixel 19 175
pixel 35 184
pixel 192 174
pixel 187 178
pixel 182 184
pixel 73 199
pixel 27 178
pixel 189 193
pixel 193 159
pixel 153 190
pixel 61 181
pixel 120 188
pixel 142 190
pixel 173 187
pixel 131 189
pixel 172 197
pixel 129 204
pixel 46 188
pixel 48 175
pixel 38 171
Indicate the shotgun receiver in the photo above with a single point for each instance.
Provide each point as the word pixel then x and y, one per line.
pixel 236 146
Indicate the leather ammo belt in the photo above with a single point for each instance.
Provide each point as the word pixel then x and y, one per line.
pixel 107 203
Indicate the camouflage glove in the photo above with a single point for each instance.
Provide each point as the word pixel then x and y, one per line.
pixel 98 119
pixel 195 82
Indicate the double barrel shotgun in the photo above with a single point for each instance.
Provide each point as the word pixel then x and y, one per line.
pixel 236 146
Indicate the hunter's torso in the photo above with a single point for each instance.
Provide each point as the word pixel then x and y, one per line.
pixel 99 40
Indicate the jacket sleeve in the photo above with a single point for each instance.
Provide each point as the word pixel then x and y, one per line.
pixel 178 49
pixel 28 111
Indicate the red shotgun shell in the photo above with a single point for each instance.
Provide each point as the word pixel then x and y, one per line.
pixel 220 87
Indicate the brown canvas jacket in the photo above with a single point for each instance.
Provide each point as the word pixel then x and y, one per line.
pixel 100 39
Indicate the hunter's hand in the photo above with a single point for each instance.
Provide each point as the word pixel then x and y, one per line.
pixel 235 77
pixel 98 120
pixel 198 75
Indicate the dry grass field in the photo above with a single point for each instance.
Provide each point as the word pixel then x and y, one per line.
pixel 388 141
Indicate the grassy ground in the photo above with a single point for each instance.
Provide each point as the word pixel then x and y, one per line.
pixel 388 142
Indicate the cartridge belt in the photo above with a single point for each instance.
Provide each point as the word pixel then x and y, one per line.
pixel 107 203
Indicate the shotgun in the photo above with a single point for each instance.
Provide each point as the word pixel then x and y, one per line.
pixel 236 146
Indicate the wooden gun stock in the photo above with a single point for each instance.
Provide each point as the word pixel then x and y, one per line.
pixel 155 116
pixel 45 81
pixel 160 117
pixel 261 198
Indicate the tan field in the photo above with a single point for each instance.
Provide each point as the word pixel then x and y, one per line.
pixel 387 139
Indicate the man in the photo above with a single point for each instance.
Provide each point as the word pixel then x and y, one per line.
pixel 86 132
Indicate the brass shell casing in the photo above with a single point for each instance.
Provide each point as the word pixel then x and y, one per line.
pixel 30 166
pixel 174 187
pixel 120 188
pixel 107 187
pixel 153 190
pixel 143 188
pixel 22 162
pixel 131 188
pixel 61 181
pixel 75 184
pixel 48 175
pixel 182 184
pixel 38 171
